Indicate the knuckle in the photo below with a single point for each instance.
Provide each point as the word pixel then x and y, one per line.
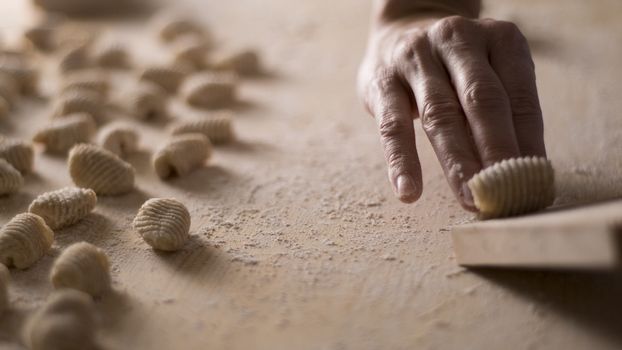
pixel 481 94
pixel 439 113
pixel 497 153
pixel 525 104
pixel 509 33
pixel 390 125
pixel 450 28
pixel 396 160
pixel 373 86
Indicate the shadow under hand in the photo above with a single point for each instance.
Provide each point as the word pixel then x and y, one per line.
pixel 589 297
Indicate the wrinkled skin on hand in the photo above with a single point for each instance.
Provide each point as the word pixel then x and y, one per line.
pixel 472 83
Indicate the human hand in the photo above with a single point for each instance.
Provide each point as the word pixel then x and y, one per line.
pixel 473 84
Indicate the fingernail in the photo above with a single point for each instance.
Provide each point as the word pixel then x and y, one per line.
pixel 405 188
pixel 467 197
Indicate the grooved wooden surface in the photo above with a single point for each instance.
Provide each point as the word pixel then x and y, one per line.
pixel 298 242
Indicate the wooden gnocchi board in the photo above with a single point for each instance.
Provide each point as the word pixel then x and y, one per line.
pixel 577 238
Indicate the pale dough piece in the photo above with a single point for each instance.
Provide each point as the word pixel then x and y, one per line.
pixel 113 56
pixel 9 90
pixel 102 171
pixel 211 90
pixel 119 138
pixel 84 267
pixel 163 223
pixel 168 78
pixel 181 155
pixel 192 50
pixel 80 101
pixel 217 127
pixel 171 27
pixel 5 278
pixel 5 108
pixel 20 154
pixel 24 74
pixel 64 207
pixel 24 240
pixel 513 187
pixel 11 180
pixel 67 321
pixel 244 63
pixel 147 101
pixel 60 135
pixel 92 80
pixel 75 58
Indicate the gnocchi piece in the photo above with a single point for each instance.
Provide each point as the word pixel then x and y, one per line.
pixel 64 207
pixel 11 180
pixel 80 101
pixel 67 321
pixel 113 56
pixel 18 153
pixel 513 187
pixel 147 101
pixel 60 135
pixel 210 90
pixel 244 63
pixel 102 171
pixel 218 128
pixel 5 278
pixel 91 80
pixel 9 90
pixel 173 27
pixel 181 155
pixel 24 240
pixel 163 223
pixel 26 76
pixel 5 108
pixel 168 78
pixel 75 58
pixel 41 37
pixel 84 267
pixel 192 50
pixel 119 139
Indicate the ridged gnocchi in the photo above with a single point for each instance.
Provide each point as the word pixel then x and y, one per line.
pixel 24 240
pixel 513 187
pixel 118 138
pixel 75 58
pixel 62 134
pixel 64 207
pixel 67 321
pixel 168 78
pixel 91 80
pixel 80 101
pixel 181 155
pixel 173 27
pixel 102 171
pixel 217 127
pixel 24 74
pixel 113 56
pixel 5 278
pixel 5 108
pixel 41 37
pixel 163 223
pixel 211 90
pixel 191 50
pixel 11 180
pixel 244 63
pixel 9 90
pixel 20 154
pixel 147 101
pixel 84 267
